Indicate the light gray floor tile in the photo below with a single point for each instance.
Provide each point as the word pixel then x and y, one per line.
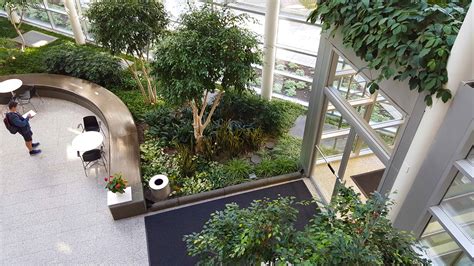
pixel 50 212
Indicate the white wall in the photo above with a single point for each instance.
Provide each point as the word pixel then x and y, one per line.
pixel 460 68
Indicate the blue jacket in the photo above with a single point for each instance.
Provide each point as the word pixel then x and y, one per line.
pixel 21 123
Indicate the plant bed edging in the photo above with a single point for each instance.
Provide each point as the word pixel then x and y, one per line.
pixel 170 203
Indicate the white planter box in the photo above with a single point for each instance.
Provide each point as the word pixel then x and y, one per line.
pixel 117 198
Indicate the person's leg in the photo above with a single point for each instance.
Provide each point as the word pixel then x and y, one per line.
pixel 29 145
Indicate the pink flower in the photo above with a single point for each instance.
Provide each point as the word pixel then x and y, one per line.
pixel 117 186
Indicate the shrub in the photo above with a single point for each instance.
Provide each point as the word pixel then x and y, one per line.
pixel 301 85
pixel 272 117
pixel 291 92
pixel 248 236
pixel 347 232
pixel 156 161
pixel 237 170
pixel 85 63
pixel 8 51
pixel 169 124
pixel 289 84
pixel 196 184
pixel 293 66
pixel 277 87
pixel 299 72
pixel 276 166
pixel 280 67
pixel 133 99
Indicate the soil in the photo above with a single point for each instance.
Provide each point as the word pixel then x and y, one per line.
pixel 141 128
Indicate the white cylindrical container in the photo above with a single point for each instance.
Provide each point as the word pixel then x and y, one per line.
pixel 159 187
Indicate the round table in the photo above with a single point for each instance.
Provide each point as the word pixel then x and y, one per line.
pixel 87 141
pixel 10 85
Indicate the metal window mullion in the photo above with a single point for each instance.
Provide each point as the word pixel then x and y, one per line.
pixel 453 230
pixel 465 168
pixel 362 128
pixel 51 22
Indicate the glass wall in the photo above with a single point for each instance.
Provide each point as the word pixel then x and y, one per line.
pixel 49 14
pixel 455 213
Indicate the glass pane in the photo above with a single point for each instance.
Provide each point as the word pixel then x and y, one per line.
pixel 298 35
pixel 38 15
pixel 257 5
pixel 61 21
pixel 293 74
pixel 301 8
pixel 458 203
pixel 441 248
pixel 56 4
pixel 470 157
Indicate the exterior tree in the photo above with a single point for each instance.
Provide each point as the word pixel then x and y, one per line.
pixel 12 7
pixel 209 47
pixel 131 27
pixel 345 232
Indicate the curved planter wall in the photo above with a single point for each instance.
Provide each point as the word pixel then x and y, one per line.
pixel 124 153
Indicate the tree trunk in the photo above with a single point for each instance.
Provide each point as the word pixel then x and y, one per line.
pixel 198 123
pixel 21 37
pixel 13 17
pixel 133 70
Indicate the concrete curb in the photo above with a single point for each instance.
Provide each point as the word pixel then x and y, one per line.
pixel 171 203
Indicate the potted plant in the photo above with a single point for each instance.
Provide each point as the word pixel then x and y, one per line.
pixel 118 192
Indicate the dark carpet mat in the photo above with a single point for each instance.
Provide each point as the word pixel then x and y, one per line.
pixel 368 182
pixel 165 231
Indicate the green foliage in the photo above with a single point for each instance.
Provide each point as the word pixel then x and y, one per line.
pixel 277 87
pixel 346 232
pixel 274 117
pixel 130 26
pixel 83 62
pixel 237 169
pixel 208 47
pixel 133 99
pixel 289 84
pixel 8 51
pixel 155 161
pixel 196 184
pixel 231 139
pixel 280 67
pixel 354 233
pixel 301 85
pixel 248 236
pixel 276 166
pixel 403 39
pixel 169 124
pixel 299 72
pixel 293 66
pixel 291 91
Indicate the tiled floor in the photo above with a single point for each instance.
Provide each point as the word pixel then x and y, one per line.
pixel 326 180
pixel 50 212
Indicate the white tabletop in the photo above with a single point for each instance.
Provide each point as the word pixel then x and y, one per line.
pixel 87 141
pixel 10 85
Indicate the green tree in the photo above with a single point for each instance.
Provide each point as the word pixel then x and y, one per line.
pixel 131 27
pixel 13 7
pixel 345 232
pixel 247 236
pixel 209 47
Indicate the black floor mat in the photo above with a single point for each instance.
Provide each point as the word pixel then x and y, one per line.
pixel 165 231
pixel 368 182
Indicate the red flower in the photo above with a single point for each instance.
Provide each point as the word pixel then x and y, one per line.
pixel 105 179
pixel 117 186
